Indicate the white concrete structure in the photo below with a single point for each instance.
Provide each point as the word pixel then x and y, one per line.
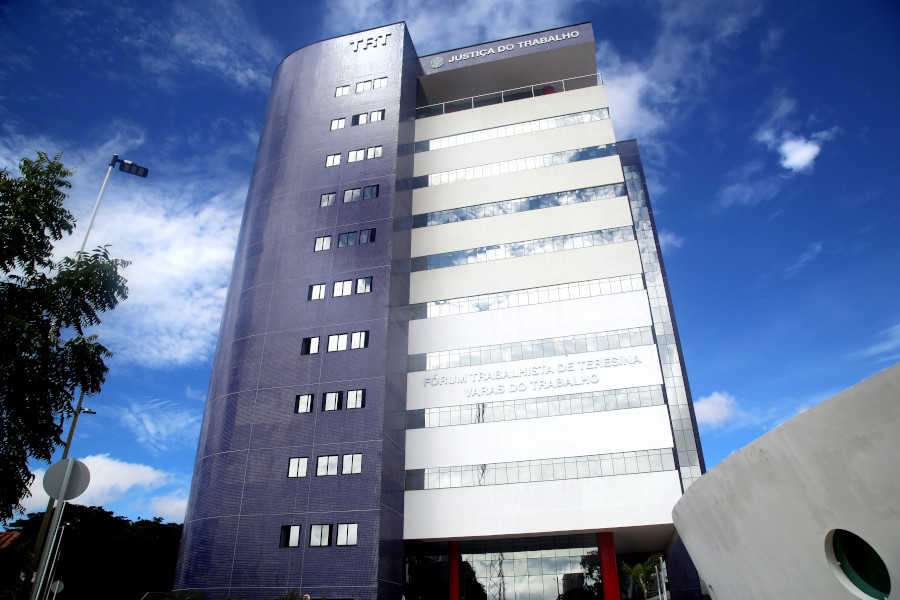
pixel 762 523
pixel 546 392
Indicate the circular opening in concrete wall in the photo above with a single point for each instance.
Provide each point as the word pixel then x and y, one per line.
pixel 856 565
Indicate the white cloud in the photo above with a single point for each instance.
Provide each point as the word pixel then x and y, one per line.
pixel 801 261
pixel 171 507
pixel 111 480
pixel 160 424
pixel 718 410
pixel 669 241
pixel 796 152
pixel 748 185
pixel 886 350
pixel 178 227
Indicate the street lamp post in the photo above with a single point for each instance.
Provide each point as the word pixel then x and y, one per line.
pixel 126 166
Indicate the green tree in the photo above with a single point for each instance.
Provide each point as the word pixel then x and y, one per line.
pixel 44 307
pixel 644 574
pixel 102 555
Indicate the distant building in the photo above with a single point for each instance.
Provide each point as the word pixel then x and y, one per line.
pixel 812 504
pixel 448 362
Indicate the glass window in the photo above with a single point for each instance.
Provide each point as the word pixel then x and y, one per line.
pixel 341 90
pixel 358 339
pixel 356 398
pixel 290 536
pixel 327 199
pixel 343 288
pixel 346 534
pixel 309 345
pixel 323 243
pixel 320 535
pixel 332 160
pixel 363 86
pixel 373 152
pixel 304 402
pixel 316 291
pixel 370 191
pixel 327 465
pixel 355 155
pixel 367 236
pixel 363 285
pixel 376 115
pixel 297 467
pixel 331 401
pixel 338 342
pixel 352 464
pixel 338 123
pixel 360 119
pixel 380 82
pixel 347 239
pixel 351 195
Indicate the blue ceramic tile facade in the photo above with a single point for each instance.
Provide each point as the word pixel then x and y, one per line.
pixel 241 495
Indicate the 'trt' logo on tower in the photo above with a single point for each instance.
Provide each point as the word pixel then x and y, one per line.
pixel 372 42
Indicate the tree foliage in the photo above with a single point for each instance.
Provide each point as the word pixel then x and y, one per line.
pixel 101 555
pixel 644 574
pixel 45 305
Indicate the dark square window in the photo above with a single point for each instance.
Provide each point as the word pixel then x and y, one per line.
pixel 366 236
pixel 347 239
pixel 369 192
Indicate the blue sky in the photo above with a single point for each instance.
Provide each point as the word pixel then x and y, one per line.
pixel 768 132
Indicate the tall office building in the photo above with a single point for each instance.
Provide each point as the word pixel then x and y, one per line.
pixel 448 365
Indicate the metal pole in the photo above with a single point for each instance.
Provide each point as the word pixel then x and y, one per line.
pixel 658 583
pixel 40 542
pixel 62 530
pixel 54 527
pixel 662 569
pixel 112 163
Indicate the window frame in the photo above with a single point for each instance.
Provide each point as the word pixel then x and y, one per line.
pixel 367 191
pixel 355 399
pixel 369 235
pixel 303 401
pixel 316 292
pixel 328 465
pixel 323 243
pixel 327 199
pixel 339 339
pixel 355 466
pixel 289 536
pixel 379 82
pixel 341 90
pixel 309 345
pixel 347 535
pixel 338 123
pixel 333 160
pixel 294 466
pixel 373 152
pixel 366 283
pixel 345 287
pixel 348 238
pixel 332 399
pixel 318 530
pixel 356 155
pixel 373 119
pixel 355 195
pixel 359 340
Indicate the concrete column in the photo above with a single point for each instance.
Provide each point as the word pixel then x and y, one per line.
pixel 454 570
pixel 609 571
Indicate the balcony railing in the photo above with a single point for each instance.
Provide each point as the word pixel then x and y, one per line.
pixel 531 91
